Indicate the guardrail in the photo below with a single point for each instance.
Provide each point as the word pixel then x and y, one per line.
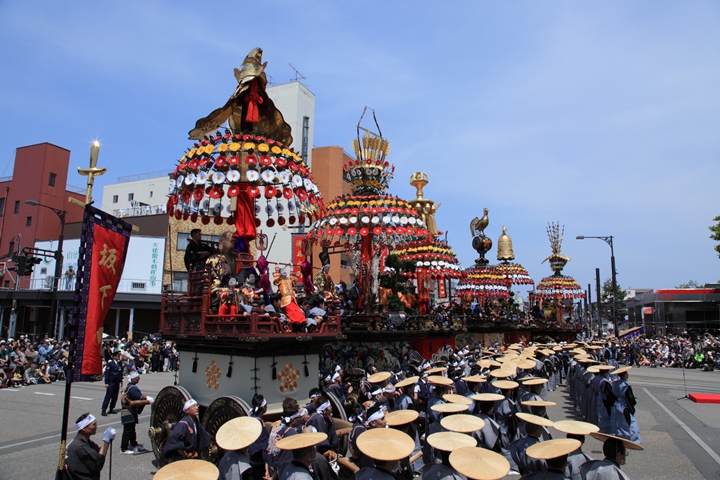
pixel 126 285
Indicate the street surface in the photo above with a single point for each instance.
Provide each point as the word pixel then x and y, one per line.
pixel 681 438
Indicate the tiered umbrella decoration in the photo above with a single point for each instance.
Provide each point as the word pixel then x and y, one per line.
pixel 251 168
pixel 558 286
pixel 483 283
pixel 434 258
pixel 514 272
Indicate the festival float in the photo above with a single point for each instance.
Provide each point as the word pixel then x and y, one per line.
pixel 240 164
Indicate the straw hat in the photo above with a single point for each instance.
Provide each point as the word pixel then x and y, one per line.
pixel 534 419
pixel 406 382
pixel 301 440
pixel 462 423
pixel 535 381
pixel 553 448
pixel 438 380
pixel 502 373
pixel 188 469
pixel 539 403
pixel 449 407
pixel 575 428
pixel 455 398
pixel 475 379
pixel 505 384
pixel 628 444
pixel 238 433
pixel 435 370
pixel 400 417
pixel 514 346
pixel 487 397
pixel 479 464
pixel 526 364
pixel 379 377
pixel 384 444
pixel 487 363
pixel 450 441
pixel 594 369
pixel 620 370
pixel 605 367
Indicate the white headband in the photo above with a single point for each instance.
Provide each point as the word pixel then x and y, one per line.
pixel 133 374
pixel 377 392
pixel 323 407
pixel 389 389
pixel 338 368
pixel 327 379
pixel 299 413
pixel 189 404
pixel 262 404
pixel 85 422
pixel 315 395
pixel 336 375
pixel 375 416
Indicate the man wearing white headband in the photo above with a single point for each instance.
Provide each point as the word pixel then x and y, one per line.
pixel 292 421
pixel 84 458
pixel 323 422
pixel 133 402
pixel 188 437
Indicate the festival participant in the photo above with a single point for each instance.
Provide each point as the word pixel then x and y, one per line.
pixel 445 443
pixel 623 421
pixel 479 464
pixel 405 388
pixel 518 448
pixel 384 448
pixel 577 431
pixel 235 436
pixel 286 289
pixel 489 436
pixel 113 381
pixel 290 423
pixel 375 418
pixel 404 421
pixel 473 383
pixel 505 417
pixel 196 252
pixel 604 398
pixel 534 392
pixel 85 460
pixel 554 453
pixel 134 403
pixel 615 451
pixel 188 437
pixel 257 448
pixel 302 449
pixel 322 421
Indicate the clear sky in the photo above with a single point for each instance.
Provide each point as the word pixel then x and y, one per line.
pixel 602 115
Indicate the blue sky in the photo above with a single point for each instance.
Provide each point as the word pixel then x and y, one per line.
pixel 603 116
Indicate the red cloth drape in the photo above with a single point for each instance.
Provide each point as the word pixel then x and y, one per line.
pixel 253 99
pixel 245 215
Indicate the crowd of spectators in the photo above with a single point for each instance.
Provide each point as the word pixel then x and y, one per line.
pixel 672 351
pixel 24 361
pixel 149 355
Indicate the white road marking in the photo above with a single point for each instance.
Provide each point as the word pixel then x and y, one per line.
pixel 44 393
pixel 692 434
pixel 82 398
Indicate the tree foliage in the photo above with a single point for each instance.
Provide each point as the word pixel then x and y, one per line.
pixel 690 284
pixel 606 301
pixel 715 229
pixel 394 279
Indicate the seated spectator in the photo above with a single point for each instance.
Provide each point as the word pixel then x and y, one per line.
pixel 4 381
pixel 43 375
pixel 30 375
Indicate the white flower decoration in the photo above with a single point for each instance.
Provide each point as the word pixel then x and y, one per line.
pixel 285 177
pixel 218 177
pixel 344 221
pixel 420 222
pixel 201 178
pixel 252 175
pixel 297 180
pixel 396 219
pixel 233 176
pixel 291 206
pixel 308 184
pixel 375 220
pixel 365 219
pixel 403 220
pixel 217 207
pixel 268 175
pixel 333 221
pixel 190 179
pixel 353 219
pixel 180 180
pixel 420 263
pixel 411 220
pixel 386 219
pixel 206 204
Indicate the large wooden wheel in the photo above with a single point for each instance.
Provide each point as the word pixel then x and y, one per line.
pixel 341 422
pixel 217 414
pixel 166 412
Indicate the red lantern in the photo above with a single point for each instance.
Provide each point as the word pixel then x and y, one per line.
pixel 270 191
pixel 364 232
pixel 377 230
pixel 352 231
pixel 251 160
pixel 233 191
pixel 198 194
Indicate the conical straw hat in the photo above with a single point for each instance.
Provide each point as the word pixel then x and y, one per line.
pixel 575 427
pixel 385 444
pixel 450 441
pixel 525 364
pixel 487 397
pixel 406 382
pixel 539 403
pixel 449 407
pixel 553 448
pixel 438 380
pixel 475 378
pixel 479 464
pixel 534 419
pixel 628 444
pixel 238 433
pixel 620 370
pixel 301 440
pixel 435 370
pixel 455 398
pixel 505 384
pixel 379 377
pixel 535 381
pixel 501 373
pixel 488 363
pixel 594 369
pixel 462 423
pixel 400 417
pixel 190 469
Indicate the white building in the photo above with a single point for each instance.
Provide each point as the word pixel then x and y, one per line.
pixel 297 105
pixel 134 195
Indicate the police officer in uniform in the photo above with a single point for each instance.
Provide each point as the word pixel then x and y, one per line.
pixel 113 380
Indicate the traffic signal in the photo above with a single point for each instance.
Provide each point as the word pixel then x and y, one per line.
pixel 20 265
pixel 25 265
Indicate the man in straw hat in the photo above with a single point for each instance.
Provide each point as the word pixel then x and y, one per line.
pixel 534 389
pixel 534 428
pixel 505 416
pixel 303 451
pixel 405 421
pixel 554 453
pixel 446 443
pixel 488 436
pixel 576 431
pixel 603 398
pixel 615 451
pixel 479 464
pixel 235 436
pixel 624 423
pixel 385 447
pixel 407 394
pixel 374 419
pixel 190 468
pixel 188 437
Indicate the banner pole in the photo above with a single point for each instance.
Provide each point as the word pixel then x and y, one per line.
pixel 69 373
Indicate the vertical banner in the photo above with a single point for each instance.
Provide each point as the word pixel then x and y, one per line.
pixel 298 255
pixel 442 293
pixel 103 248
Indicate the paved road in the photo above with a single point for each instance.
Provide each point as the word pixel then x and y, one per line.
pixel 682 439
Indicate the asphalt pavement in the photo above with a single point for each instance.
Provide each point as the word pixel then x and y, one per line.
pixel 681 438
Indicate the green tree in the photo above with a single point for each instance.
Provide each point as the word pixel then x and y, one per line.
pixel 715 229
pixel 690 284
pixel 606 302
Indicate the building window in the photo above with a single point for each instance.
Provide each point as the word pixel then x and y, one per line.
pixel 51 182
pixel 131 196
pixel 115 198
pixel 150 193
pixel 17 206
pixel 305 139
pixel 184 238
pixel 28 222
pixel 7 284
pixel 2 206
pixel 12 248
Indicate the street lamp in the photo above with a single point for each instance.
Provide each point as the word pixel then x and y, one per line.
pixel 58 261
pixel 609 241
